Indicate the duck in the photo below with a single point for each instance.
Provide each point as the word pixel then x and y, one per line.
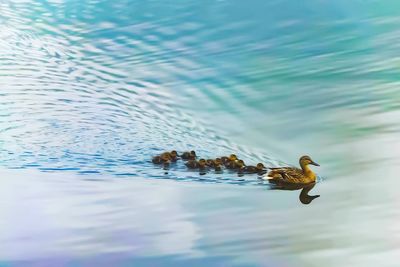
pixel 217 167
pixel 202 164
pixel 192 164
pixel 188 155
pixel 294 175
pixel 252 169
pixel 172 155
pixel 233 165
pixel 210 162
pixel 240 164
pixel 161 158
pixel 226 160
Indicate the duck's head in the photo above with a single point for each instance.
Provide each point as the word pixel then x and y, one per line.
pixel 260 166
pixel 193 153
pixel 218 161
pixel 233 157
pixel 240 163
pixel 174 153
pixel 306 160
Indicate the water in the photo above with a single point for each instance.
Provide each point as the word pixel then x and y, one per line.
pixel 90 90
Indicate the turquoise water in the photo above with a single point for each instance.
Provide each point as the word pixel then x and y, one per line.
pixel 90 90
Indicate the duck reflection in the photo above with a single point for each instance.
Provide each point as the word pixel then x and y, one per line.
pixel 304 197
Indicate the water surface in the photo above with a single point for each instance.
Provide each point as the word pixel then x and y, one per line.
pixel 90 90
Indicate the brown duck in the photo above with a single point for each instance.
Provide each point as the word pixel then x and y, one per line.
pixel 294 175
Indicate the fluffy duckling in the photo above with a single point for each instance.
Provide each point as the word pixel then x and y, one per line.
pixel 252 169
pixel 233 165
pixel 172 155
pixel 202 164
pixel 226 160
pixel 192 164
pixel 210 162
pixel 240 164
pixel 294 175
pixel 217 167
pixel 166 160
pixel 188 155
pixel 161 158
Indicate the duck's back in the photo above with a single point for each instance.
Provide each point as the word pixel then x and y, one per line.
pixel 289 175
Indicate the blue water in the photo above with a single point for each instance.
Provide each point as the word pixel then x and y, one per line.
pixel 91 90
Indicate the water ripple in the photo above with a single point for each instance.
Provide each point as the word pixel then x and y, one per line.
pixel 79 104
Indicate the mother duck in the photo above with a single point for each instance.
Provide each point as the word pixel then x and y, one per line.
pixel 294 175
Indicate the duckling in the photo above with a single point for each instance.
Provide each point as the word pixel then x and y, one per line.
pixel 240 164
pixel 202 164
pixel 233 157
pixel 226 160
pixel 252 169
pixel 169 155
pixel 217 167
pixel 188 155
pixel 294 175
pixel 174 155
pixel 235 164
pixel 192 164
pixel 210 163
pixel 218 161
pixel 165 157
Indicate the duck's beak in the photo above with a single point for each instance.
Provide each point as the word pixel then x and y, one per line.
pixel 314 163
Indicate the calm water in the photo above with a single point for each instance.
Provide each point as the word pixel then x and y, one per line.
pixel 89 90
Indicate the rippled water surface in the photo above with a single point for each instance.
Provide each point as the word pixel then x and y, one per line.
pixel 90 90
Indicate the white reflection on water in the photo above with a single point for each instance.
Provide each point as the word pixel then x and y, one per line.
pixel 64 216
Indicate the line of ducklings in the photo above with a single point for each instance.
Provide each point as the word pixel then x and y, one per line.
pixel 278 175
pixel 231 162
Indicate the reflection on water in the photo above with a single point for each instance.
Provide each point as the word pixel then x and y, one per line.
pixel 303 196
pixel 90 90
